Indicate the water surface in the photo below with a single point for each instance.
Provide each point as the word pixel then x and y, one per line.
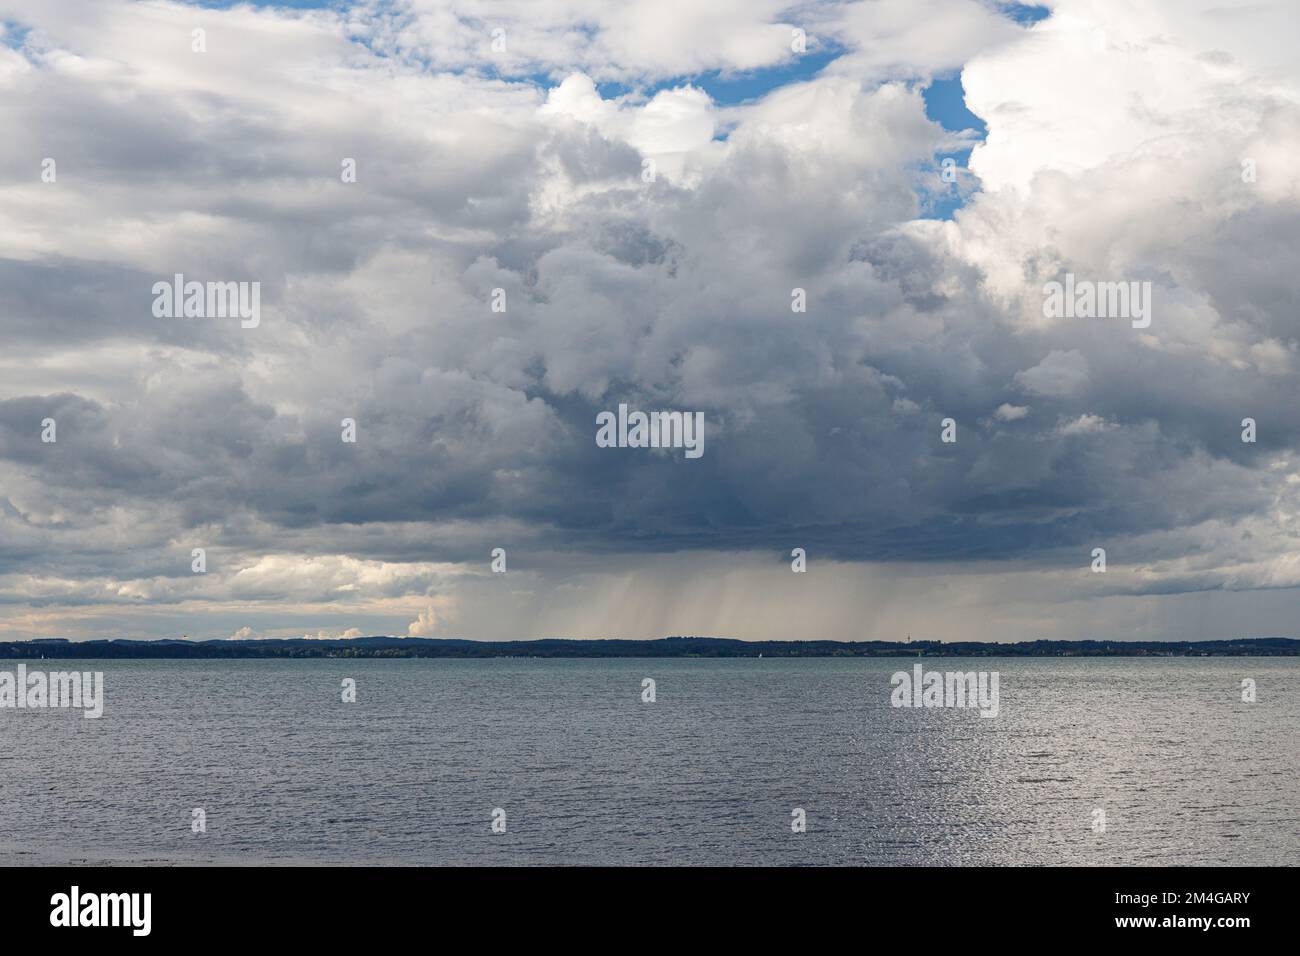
pixel 708 774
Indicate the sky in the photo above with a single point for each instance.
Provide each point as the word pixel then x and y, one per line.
pixel 792 146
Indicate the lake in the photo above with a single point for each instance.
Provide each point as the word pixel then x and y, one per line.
pixel 714 771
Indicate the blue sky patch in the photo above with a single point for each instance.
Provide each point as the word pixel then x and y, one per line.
pixel 1026 13
pixel 730 89
pixel 13 35
pixel 945 104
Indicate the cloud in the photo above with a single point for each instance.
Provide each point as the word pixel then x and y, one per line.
pixel 1059 373
pixel 635 40
pixel 430 622
pixel 1115 149
pixel 248 634
pixel 1085 425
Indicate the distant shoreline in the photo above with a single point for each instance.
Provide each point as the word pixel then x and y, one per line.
pixel 684 647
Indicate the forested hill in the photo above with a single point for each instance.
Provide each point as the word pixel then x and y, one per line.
pixel 665 647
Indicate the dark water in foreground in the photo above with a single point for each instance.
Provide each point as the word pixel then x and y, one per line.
pixel 286 772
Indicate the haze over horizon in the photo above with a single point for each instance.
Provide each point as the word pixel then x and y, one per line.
pixel 1090 139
